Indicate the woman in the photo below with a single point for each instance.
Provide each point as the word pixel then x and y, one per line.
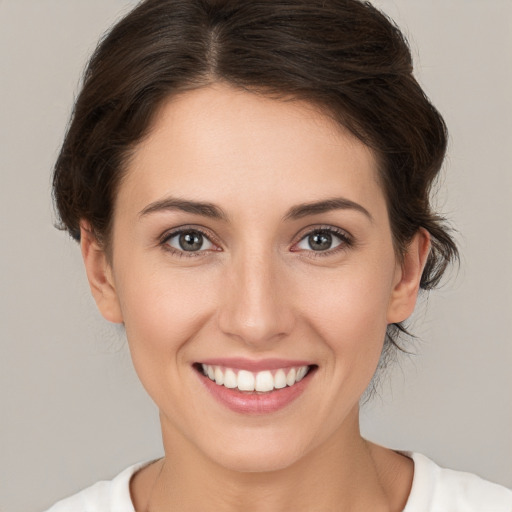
pixel 249 183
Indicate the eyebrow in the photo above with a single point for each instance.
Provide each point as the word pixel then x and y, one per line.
pixel 316 207
pixel 214 212
pixel 195 207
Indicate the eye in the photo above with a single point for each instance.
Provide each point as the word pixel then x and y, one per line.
pixel 189 240
pixel 322 240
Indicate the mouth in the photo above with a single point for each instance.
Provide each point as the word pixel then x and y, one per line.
pixel 264 381
pixel 258 390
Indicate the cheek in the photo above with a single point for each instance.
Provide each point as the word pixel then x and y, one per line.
pixel 348 309
pixel 162 310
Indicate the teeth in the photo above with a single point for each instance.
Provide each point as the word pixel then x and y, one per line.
pixel 245 381
pixel 280 379
pixel 290 377
pixel 230 380
pixel 301 373
pixel 262 382
pixel 219 376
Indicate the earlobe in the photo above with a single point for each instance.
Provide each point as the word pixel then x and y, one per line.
pixel 99 275
pixel 405 291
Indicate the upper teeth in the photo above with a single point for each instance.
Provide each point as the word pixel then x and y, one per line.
pixel 244 380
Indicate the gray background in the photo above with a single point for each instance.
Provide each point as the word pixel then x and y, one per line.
pixel 72 410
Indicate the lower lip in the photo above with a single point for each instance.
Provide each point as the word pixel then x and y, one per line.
pixel 253 402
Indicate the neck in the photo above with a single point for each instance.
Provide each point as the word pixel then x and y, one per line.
pixel 341 474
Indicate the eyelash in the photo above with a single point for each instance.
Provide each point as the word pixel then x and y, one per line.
pixel 164 239
pixel 346 241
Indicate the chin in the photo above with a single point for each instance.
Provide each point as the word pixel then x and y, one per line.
pixel 257 461
pixel 259 454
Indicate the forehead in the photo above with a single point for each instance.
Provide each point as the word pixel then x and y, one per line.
pixel 221 144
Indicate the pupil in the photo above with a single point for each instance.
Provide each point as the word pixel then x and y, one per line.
pixel 320 241
pixel 191 241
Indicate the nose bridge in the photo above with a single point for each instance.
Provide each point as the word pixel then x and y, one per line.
pixel 256 305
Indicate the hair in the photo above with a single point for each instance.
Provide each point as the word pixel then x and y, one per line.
pixel 343 56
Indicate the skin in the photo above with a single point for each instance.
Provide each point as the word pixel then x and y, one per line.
pixel 257 290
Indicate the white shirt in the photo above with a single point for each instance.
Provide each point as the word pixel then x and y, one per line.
pixel 434 489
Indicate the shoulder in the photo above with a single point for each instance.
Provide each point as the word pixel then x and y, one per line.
pixel 437 489
pixel 105 496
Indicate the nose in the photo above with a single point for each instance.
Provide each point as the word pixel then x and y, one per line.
pixel 255 302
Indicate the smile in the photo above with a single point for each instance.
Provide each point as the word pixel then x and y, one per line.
pixel 255 387
pixel 263 381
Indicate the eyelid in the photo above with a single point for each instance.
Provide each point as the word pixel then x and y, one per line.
pixel 170 233
pixel 346 238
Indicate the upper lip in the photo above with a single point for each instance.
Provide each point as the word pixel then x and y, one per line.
pixel 253 365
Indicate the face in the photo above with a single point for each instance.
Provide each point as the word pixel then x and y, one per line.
pixel 251 242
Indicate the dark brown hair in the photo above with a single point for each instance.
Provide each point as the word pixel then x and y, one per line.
pixel 343 56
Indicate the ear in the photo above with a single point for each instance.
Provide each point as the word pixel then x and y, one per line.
pixel 407 282
pixel 99 275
